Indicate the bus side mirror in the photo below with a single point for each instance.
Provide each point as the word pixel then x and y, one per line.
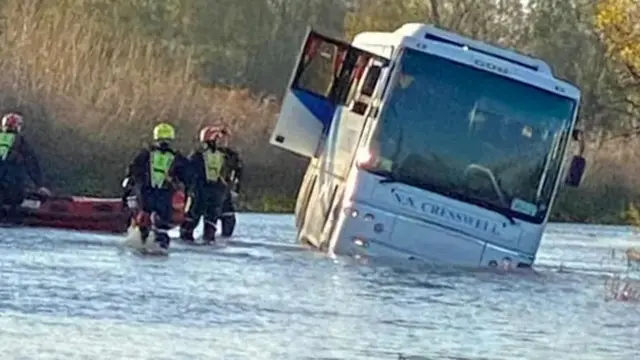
pixel 576 171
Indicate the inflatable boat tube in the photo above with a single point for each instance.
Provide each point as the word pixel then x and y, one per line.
pixel 76 213
pixel 109 215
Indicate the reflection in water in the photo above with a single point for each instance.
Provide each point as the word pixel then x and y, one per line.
pixel 621 289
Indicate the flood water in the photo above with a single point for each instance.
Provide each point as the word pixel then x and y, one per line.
pixel 66 295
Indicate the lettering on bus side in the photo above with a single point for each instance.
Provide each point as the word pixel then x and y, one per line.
pixel 448 214
pixel 491 66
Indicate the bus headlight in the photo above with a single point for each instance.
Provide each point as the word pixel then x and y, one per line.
pixel 351 212
pixel 360 242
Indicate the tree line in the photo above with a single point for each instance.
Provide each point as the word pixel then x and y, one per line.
pixel 94 76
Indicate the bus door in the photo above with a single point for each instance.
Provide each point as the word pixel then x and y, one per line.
pixel 320 86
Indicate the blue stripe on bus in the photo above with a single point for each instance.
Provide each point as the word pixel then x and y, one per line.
pixel 321 108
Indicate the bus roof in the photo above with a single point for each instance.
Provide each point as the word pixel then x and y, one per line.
pixel 407 35
pixel 432 33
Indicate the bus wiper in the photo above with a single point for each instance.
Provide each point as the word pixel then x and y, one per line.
pixel 500 210
pixel 389 177
pixel 448 190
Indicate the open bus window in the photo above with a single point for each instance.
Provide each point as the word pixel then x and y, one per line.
pixel 331 69
pixel 316 70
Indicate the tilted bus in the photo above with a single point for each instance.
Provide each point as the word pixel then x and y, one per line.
pixel 427 145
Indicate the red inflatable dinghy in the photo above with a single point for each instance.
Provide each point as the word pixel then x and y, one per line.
pixel 77 213
pixel 109 215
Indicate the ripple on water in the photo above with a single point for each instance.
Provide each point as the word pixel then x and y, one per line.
pixel 74 296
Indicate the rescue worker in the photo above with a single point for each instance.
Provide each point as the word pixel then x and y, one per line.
pixel 232 173
pixel 208 187
pixel 156 173
pixel 17 162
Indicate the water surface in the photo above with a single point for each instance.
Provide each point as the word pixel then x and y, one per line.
pixel 67 295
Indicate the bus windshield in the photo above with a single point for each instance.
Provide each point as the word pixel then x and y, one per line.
pixel 472 135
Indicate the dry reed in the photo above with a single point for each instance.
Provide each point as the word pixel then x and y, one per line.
pixel 92 92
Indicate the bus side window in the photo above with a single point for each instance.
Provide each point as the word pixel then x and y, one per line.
pixel 316 71
pixel 370 81
pixel 330 68
pixel 363 97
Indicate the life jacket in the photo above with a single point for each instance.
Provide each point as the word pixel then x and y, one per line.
pixel 214 161
pixel 7 140
pixel 160 163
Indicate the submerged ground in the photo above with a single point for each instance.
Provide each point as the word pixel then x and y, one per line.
pixel 69 296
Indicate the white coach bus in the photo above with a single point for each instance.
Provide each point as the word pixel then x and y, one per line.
pixel 427 145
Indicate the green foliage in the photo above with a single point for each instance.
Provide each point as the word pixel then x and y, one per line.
pixel 591 205
pixel 632 215
pixel 269 204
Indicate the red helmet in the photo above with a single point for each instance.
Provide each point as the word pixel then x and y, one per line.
pixel 213 133
pixel 12 122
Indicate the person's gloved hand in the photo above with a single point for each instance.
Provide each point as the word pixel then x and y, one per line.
pixel 44 191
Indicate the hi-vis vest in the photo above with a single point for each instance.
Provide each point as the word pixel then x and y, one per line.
pixel 213 164
pixel 6 144
pixel 160 163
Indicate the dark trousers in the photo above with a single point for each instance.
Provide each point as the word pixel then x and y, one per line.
pixel 228 215
pixel 12 194
pixel 206 201
pixel 228 207
pixel 157 204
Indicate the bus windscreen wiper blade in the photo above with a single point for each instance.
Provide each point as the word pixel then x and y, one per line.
pixel 492 207
pixel 388 178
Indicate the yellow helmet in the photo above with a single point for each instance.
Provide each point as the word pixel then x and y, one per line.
pixel 164 131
